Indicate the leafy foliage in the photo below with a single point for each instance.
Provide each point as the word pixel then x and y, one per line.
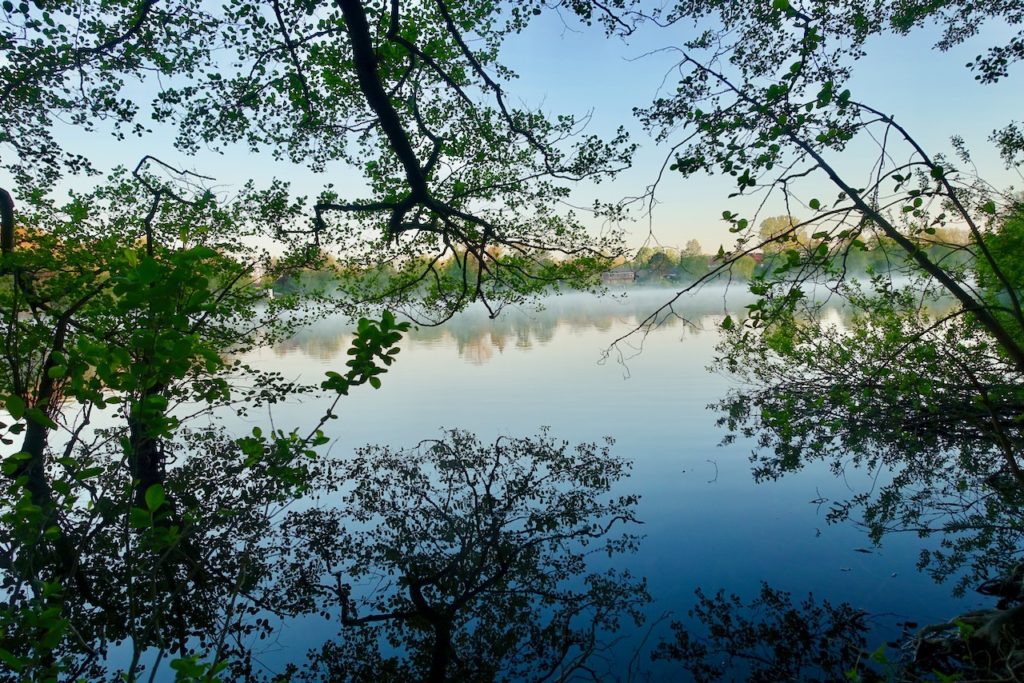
pixel 411 95
pixel 911 386
pixel 470 561
pixel 103 541
pixel 769 639
pixel 930 398
pixel 74 61
pixel 133 297
pixel 126 304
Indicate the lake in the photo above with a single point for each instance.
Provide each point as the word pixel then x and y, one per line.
pixel 706 522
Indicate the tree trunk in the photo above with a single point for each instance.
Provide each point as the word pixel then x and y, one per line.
pixel 441 652
pixel 145 458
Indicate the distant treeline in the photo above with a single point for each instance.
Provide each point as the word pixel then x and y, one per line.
pixel 879 254
pixel 666 265
pixel 322 271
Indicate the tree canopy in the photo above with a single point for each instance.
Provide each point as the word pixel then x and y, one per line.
pixel 411 96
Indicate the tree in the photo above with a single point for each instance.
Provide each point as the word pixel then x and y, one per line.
pixel 925 383
pixel 73 61
pixel 770 114
pixel 693 263
pixel 107 302
pixel 743 267
pixel 894 390
pixel 644 255
pixel 661 263
pixel 780 232
pixel 486 548
pixel 899 347
pixel 103 540
pixel 128 297
pixel 778 641
pixel 999 285
pixel 784 106
pixel 397 92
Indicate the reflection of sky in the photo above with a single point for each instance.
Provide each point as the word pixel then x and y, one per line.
pixel 705 521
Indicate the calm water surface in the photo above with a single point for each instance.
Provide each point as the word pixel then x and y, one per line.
pixel 706 522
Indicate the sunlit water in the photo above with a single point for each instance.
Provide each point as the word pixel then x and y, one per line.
pixel 706 522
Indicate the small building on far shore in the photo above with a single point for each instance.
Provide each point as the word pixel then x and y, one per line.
pixel 618 276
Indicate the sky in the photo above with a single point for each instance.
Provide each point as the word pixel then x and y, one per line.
pixel 565 68
pixel 931 93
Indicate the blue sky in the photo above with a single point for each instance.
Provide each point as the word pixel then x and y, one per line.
pixel 564 69
pixel 931 93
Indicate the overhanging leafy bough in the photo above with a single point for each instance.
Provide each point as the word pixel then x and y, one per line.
pixel 408 92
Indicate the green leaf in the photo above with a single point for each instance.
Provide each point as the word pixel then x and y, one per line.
pixel 40 418
pixel 15 406
pixel 148 270
pixel 989 207
pixel 155 497
pixel 814 204
pixel 10 660
pixel 88 473
pixel 140 519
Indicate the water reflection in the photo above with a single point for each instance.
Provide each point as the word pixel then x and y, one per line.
pixel 475 560
pixel 478 339
pixel 706 522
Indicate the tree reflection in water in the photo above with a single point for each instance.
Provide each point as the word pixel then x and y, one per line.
pixel 457 560
pixel 453 560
